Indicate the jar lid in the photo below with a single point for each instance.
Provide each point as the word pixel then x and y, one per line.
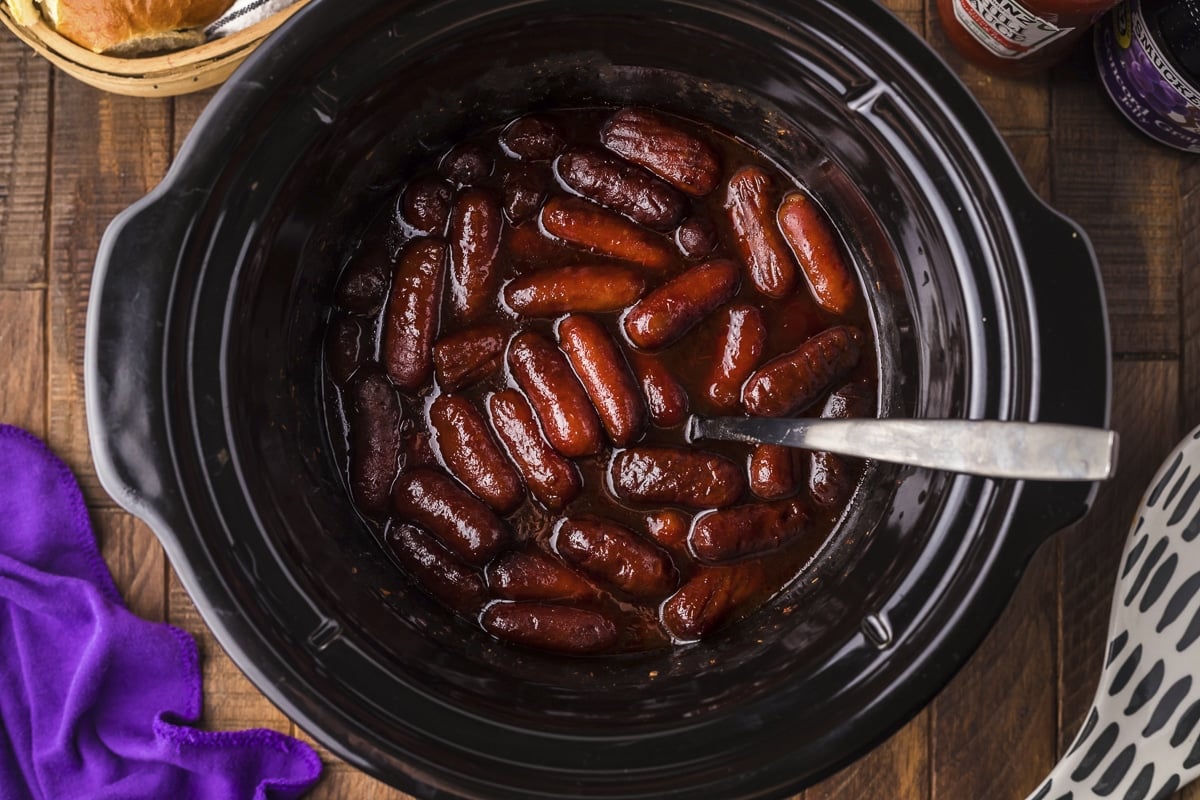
pixel 1178 23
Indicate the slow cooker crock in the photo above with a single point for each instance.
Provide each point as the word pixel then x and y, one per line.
pixel 204 388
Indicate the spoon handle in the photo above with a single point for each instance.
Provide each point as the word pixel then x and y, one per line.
pixel 1024 450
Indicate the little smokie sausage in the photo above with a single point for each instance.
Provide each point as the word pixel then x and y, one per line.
pixel 676 476
pixel 601 368
pixel 552 479
pixel 425 205
pixel 667 313
pixel 740 344
pixel 596 289
pixel 809 234
pixel 345 348
pixel 374 415
pixel 773 472
pixel 697 238
pixel 712 597
pixel 475 227
pixel 466 164
pixel 535 575
pixel 584 224
pixel 752 215
pixel 619 185
pixel 734 533
pixel 414 313
pixel 471 454
pixel 669 529
pixel 614 555
pixel 524 192
pixel 363 286
pixel 666 398
pixel 532 138
pixel 437 571
pixel 561 404
pixel 649 140
pixel 461 522
pixel 468 356
pixel 792 382
pixel 544 626
pixel 831 478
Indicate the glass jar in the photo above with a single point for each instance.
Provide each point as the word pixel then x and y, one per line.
pixel 1018 37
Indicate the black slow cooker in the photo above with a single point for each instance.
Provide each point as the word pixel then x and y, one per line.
pixel 204 388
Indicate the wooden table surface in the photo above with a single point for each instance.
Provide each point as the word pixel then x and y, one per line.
pixel 72 157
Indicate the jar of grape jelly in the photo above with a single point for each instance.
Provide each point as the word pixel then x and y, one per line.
pixel 1018 37
pixel 1148 53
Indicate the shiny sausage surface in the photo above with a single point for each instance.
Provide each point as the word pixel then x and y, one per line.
pixel 472 455
pixel 794 381
pixel 459 520
pixel 562 406
pixel 664 315
pixel 552 479
pixel 813 242
pixel 414 313
pixel 748 201
pixel 601 368
pixel 676 476
pixel 587 225
pixel 651 141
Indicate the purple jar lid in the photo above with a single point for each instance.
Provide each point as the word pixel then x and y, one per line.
pixel 1145 79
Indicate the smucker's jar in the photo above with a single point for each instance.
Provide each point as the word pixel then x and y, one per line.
pixel 1018 37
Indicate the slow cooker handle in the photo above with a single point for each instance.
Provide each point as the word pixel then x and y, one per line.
pixel 1072 352
pixel 124 357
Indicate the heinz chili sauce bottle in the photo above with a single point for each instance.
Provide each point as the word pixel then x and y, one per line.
pixel 1018 37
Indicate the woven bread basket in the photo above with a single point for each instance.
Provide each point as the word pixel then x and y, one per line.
pixel 174 73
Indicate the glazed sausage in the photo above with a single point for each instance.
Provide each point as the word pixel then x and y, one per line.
pixel 792 382
pixel 615 556
pixel 751 213
pixel 474 243
pixel 524 192
pixel 650 141
pixel 584 224
pixel 619 185
pixel 461 522
pixel 532 138
pixel 364 283
pixel 552 479
pixel 667 313
pixel 773 472
pixel 416 448
pixel 605 376
pixel 561 404
pixel 676 476
pixel 439 573
pixel 344 349
pixel 810 235
pixel 831 478
pixel 414 313
pixel 549 627
pixel 696 238
pixel 468 356
pixel 526 243
pixel 669 529
pixel 740 345
pixel 466 164
pixel 712 597
pixel 550 292
pixel 666 398
pixel 534 575
pixel 425 205
pixel 374 415
pixel 472 455
pixel 734 533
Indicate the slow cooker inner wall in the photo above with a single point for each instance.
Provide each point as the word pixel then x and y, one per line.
pixel 361 124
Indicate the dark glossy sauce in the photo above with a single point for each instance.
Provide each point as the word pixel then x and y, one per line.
pixel 790 321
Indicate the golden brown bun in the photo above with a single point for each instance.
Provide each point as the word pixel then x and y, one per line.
pixel 133 27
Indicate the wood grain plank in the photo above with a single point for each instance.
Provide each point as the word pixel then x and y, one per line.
pixel 24 125
pixel 136 561
pixel 1124 190
pixel 994 727
pixel 1189 254
pixel 110 151
pixel 230 700
pixel 1146 414
pixel 22 346
pixel 899 768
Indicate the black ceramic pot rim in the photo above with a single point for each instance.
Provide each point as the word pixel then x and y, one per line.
pixel 121 429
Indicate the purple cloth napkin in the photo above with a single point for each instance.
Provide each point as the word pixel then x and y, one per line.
pixel 94 702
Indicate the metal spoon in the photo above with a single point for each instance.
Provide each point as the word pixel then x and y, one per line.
pixel 1022 450
pixel 1141 739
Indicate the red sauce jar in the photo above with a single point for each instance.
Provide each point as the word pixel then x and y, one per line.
pixel 1018 37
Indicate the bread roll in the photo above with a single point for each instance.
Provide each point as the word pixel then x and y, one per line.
pixel 128 27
